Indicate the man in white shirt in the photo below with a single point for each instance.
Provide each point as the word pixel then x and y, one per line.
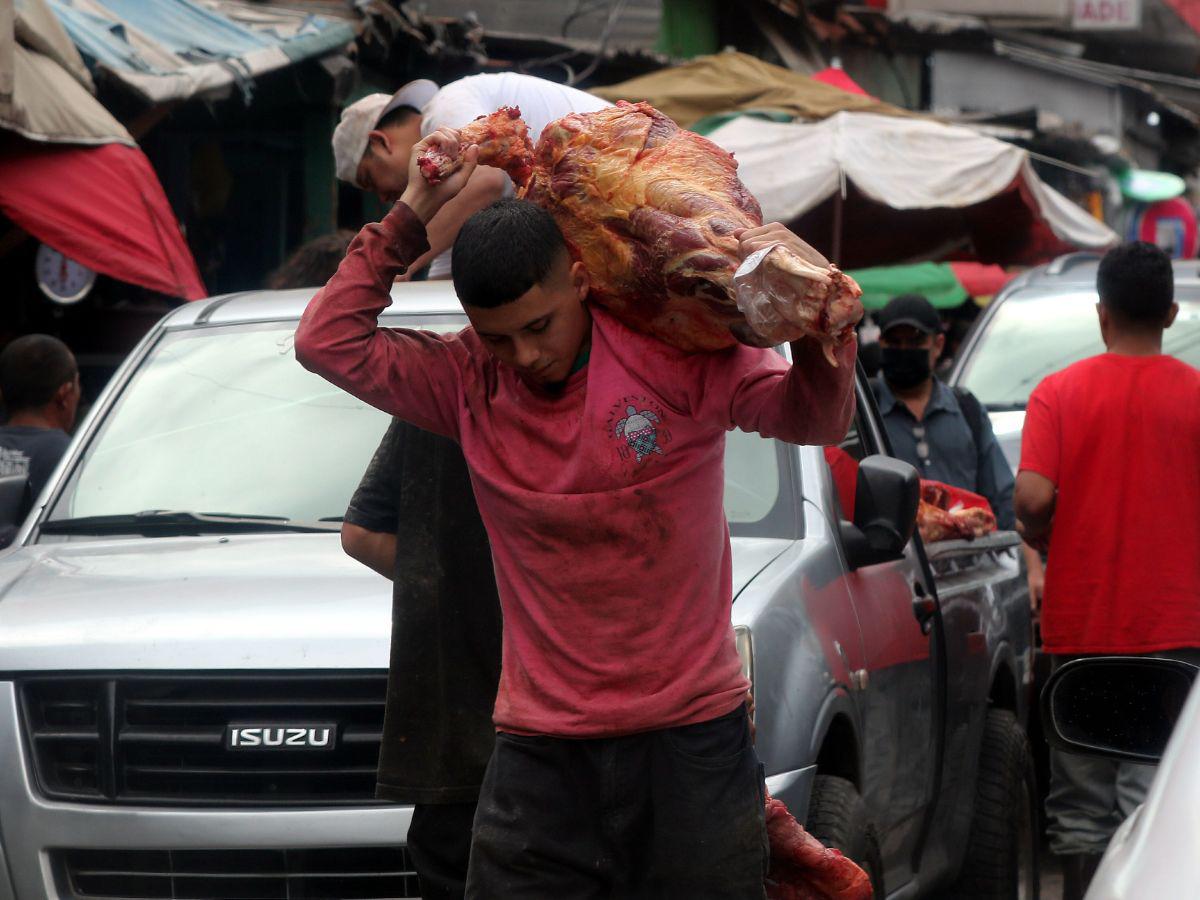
pixel 374 140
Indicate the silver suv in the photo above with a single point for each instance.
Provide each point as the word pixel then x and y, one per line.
pixel 1042 322
pixel 192 673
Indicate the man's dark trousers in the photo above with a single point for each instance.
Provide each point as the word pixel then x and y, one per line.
pixel 439 843
pixel 662 815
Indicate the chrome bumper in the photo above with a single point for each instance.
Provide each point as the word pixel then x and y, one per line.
pixel 32 827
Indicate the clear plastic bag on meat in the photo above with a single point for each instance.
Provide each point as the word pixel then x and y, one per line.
pixel 785 298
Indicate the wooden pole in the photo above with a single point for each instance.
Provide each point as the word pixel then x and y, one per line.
pixel 839 199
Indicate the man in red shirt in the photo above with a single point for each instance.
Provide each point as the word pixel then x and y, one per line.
pixel 1110 481
pixel 623 763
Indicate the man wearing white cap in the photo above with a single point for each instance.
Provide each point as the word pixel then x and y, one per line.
pixel 374 140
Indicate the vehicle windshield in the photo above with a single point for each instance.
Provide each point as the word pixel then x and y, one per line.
pixel 1033 334
pixel 224 421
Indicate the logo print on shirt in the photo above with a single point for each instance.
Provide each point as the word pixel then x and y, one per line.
pixel 13 462
pixel 639 428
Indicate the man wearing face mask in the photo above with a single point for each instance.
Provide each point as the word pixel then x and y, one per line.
pixel 943 431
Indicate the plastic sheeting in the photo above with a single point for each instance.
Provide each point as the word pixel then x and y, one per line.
pixel 176 49
pixel 102 207
pixel 943 284
pixel 911 165
pixel 839 79
pixel 164 50
pixel 732 81
pixel 51 97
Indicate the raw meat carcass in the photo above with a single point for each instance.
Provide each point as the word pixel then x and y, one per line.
pixel 503 142
pixel 974 520
pixel 949 513
pixel 767 285
pixel 651 210
pixel 935 523
pixel 802 868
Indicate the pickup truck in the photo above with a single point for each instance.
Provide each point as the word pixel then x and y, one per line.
pixel 192 673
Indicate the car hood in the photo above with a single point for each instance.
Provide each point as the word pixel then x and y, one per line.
pixel 237 602
pixel 1007 427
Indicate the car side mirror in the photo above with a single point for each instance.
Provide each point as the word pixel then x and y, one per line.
pixel 885 512
pixel 1121 707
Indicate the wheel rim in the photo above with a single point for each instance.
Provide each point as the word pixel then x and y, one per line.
pixel 1027 888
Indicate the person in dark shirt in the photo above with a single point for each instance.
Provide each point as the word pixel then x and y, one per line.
pixel 39 384
pixel 414 520
pixel 943 432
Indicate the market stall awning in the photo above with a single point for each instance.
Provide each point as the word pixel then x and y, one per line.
pixel 731 81
pixel 104 208
pixel 178 49
pixel 906 190
pixel 50 97
pixel 944 284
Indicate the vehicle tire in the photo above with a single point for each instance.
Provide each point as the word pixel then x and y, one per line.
pixel 837 817
pixel 1001 861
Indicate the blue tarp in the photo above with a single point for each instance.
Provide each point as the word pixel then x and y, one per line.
pixel 184 33
pixel 185 28
pixel 98 40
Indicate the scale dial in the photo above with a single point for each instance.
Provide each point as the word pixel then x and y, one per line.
pixel 61 279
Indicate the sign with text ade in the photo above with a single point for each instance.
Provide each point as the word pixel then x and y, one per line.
pixel 1097 15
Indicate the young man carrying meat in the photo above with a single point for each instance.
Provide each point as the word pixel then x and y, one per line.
pixel 623 763
pixel 1110 481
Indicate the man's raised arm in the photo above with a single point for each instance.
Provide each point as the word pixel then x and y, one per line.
pixel 810 402
pixel 410 374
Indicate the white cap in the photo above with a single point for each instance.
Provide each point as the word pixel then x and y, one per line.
pixel 360 118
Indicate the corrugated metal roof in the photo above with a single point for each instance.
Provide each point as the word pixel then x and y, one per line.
pixel 177 49
pixel 581 22
pixel 1178 94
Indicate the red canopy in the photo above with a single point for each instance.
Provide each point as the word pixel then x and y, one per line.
pixel 104 208
pixel 839 79
pixel 980 280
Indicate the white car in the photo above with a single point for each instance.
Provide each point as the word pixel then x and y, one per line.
pixel 1126 708
pixel 1043 321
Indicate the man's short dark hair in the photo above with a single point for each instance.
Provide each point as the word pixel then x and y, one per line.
pixel 313 263
pixel 32 369
pixel 397 116
pixel 1135 281
pixel 504 250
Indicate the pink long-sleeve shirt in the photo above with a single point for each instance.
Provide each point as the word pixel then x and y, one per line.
pixel 603 502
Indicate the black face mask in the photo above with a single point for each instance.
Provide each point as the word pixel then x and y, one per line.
pixel 905 367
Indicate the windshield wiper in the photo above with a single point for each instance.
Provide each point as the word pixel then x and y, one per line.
pixel 181 522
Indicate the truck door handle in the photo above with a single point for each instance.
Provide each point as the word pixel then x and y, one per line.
pixel 924 607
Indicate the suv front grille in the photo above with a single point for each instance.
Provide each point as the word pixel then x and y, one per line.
pixel 162 739
pixel 352 873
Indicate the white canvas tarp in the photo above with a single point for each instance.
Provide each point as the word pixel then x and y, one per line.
pixel 49 89
pixel 906 164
